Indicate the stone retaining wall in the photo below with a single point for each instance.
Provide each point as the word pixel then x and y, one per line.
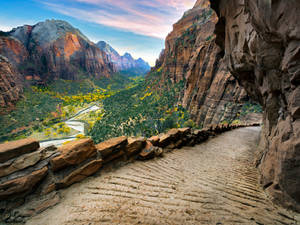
pixel 31 177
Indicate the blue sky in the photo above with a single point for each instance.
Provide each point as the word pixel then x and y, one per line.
pixel 135 26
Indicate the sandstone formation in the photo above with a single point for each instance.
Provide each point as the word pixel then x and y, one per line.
pixel 54 49
pixel 73 153
pixel 30 181
pixel 125 64
pixel 135 145
pixel 261 41
pixel 10 84
pixel 112 148
pixel 211 93
pixel 15 148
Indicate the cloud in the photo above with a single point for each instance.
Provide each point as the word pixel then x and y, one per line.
pixel 6 28
pixel 146 17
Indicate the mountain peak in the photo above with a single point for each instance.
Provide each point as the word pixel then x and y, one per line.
pixel 46 31
pixel 108 49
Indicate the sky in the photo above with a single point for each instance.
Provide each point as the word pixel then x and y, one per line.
pixel 135 26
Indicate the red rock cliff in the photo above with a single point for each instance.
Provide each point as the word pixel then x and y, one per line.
pixel 54 49
pixel 211 93
pixel 10 85
pixel 261 40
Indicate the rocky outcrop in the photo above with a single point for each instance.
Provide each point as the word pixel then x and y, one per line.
pixel 191 56
pixel 15 148
pixel 10 84
pixel 125 64
pixel 73 153
pixel 261 41
pixel 54 49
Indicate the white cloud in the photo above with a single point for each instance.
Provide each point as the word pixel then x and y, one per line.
pixel 151 18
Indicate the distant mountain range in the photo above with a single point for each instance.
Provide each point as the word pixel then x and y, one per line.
pixel 125 64
pixel 52 50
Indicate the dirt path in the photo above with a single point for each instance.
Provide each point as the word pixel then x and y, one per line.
pixel 213 183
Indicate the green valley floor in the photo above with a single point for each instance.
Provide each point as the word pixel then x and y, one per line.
pixel 212 183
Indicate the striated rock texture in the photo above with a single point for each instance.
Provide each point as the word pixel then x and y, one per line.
pixel 10 84
pixel 54 49
pixel 211 93
pixel 261 40
pixel 125 64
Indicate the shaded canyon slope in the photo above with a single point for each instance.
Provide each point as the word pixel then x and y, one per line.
pixel 211 93
pixel 10 85
pixel 54 49
pixel 125 64
pixel 261 40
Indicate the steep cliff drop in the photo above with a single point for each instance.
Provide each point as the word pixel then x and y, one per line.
pixel 261 40
pixel 10 85
pixel 211 93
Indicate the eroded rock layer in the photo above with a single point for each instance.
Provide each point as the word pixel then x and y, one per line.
pixel 262 44
pixel 10 87
pixel 191 55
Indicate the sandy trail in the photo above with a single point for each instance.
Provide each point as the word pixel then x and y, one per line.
pixel 211 183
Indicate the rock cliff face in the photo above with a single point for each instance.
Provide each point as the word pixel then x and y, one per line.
pixel 261 40
pixel 125 64
pixel 54 49
pixel 211 93
pixel 10 84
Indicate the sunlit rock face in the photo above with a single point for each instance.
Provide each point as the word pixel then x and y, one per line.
pixel 261 40
pixel 54 49
pixel 191 55
pixel 10 85
pixel 125 64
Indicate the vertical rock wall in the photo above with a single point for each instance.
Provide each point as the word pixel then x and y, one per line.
pixel 211 93
pixel 10 84
pixel 261 40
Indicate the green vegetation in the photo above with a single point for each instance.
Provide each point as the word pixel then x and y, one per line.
pixel 42 107
pixel 141 110
pixel 250 107
pixel 32 110
pixel 130 107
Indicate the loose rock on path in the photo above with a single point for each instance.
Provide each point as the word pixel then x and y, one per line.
pixel 212 183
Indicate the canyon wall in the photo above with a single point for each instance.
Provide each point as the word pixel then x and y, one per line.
pixel 10 85
pixel 261 41
pixel 54 49
pixel 211 93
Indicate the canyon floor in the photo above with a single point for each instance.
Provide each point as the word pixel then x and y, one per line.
pixel 212 183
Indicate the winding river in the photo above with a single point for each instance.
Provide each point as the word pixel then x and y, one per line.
pixel 72 123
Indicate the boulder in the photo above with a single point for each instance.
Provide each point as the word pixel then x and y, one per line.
pixel 24 161
pixel 80 173
pixel 16 148
pixel 172 137
pixel 135 145
pixel 112 148
pixel 154 140
pixel 73 153
pixel 22 185
pixel 150 151
pixel 168 138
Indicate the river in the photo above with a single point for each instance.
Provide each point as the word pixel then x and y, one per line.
pixel 73 124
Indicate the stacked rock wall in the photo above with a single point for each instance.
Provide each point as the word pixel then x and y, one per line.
pixel 31 177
